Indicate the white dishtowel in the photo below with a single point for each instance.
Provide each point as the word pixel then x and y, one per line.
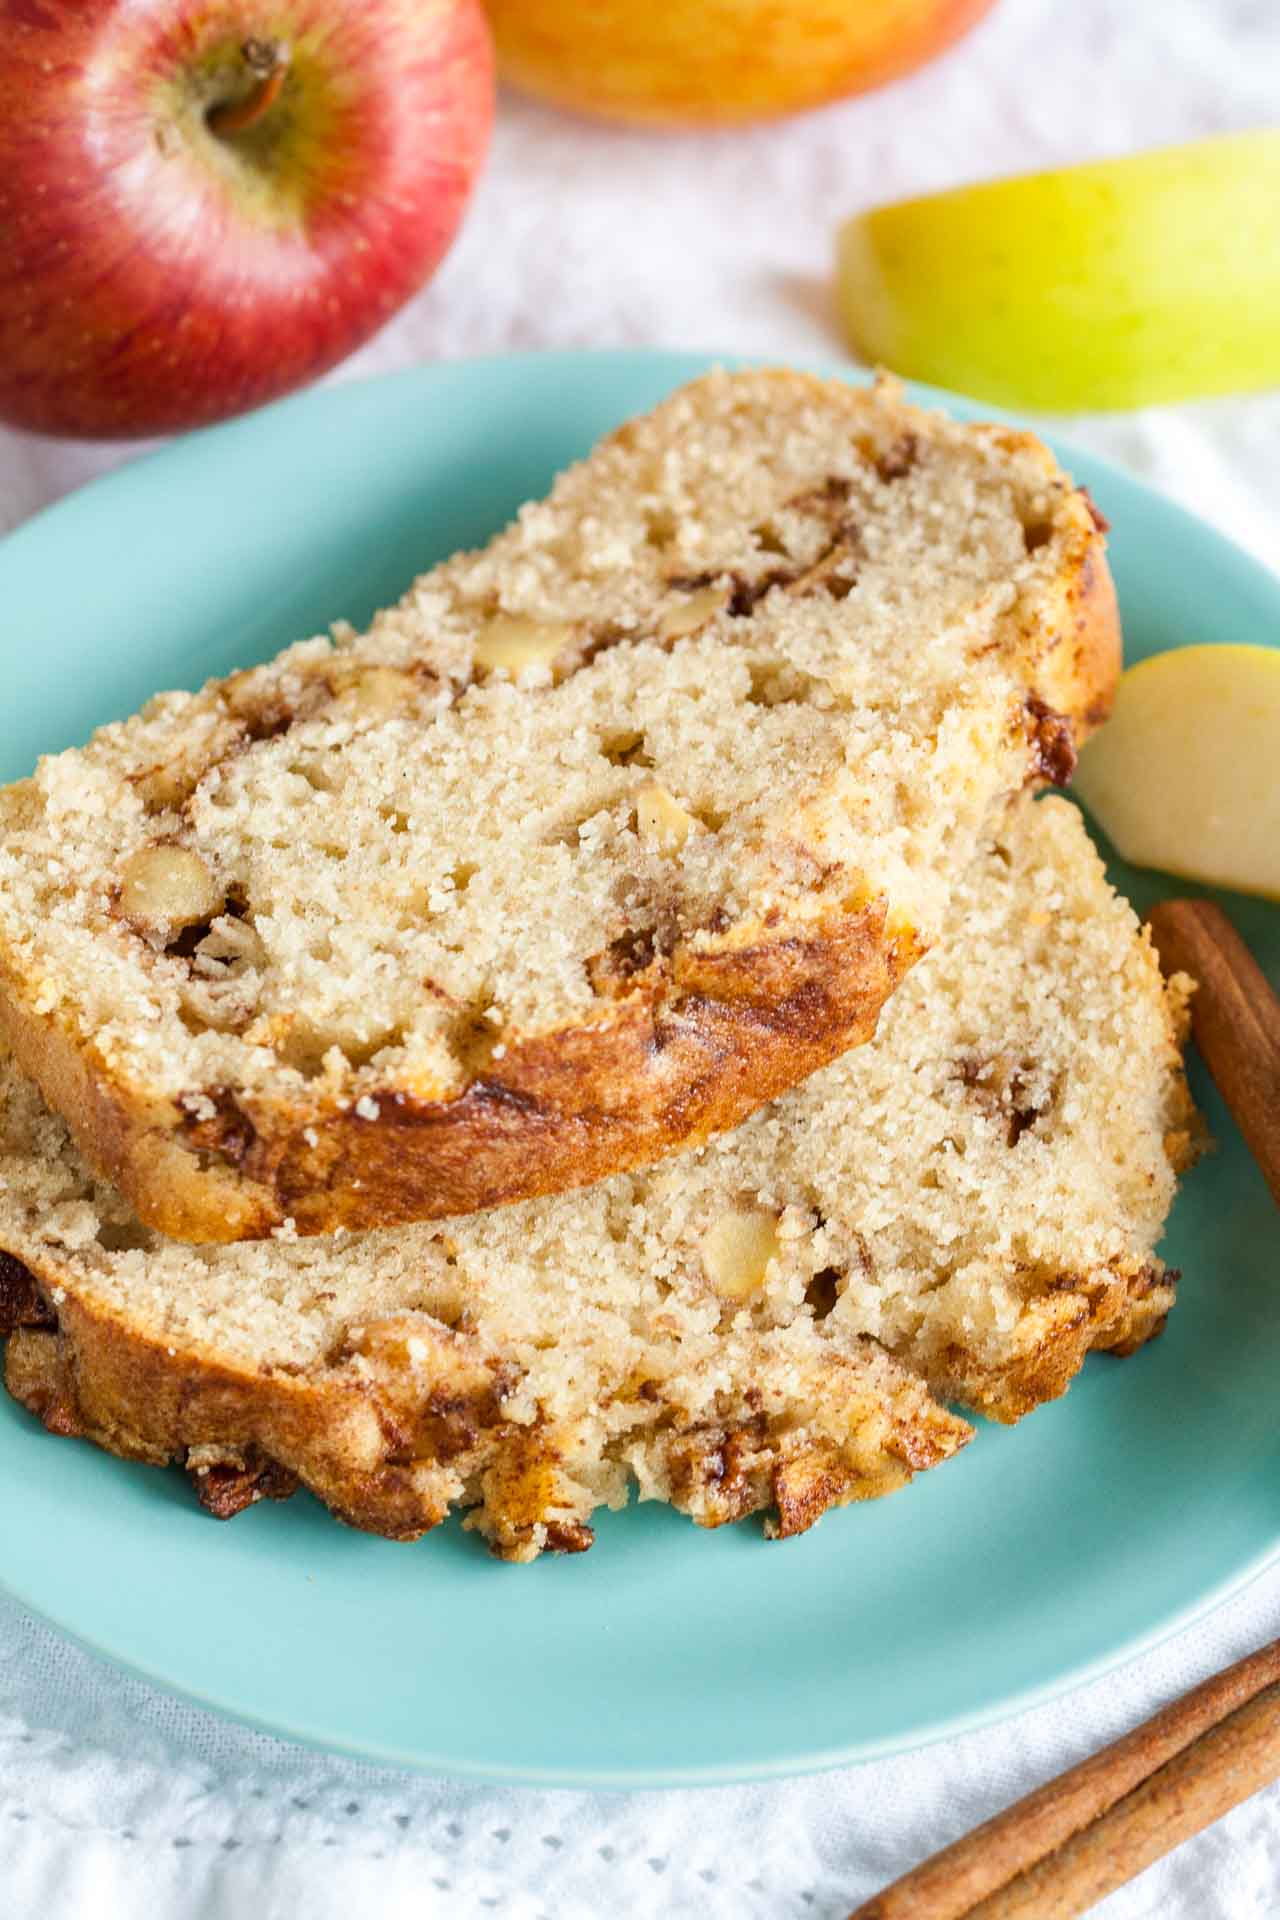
pixel 116 1801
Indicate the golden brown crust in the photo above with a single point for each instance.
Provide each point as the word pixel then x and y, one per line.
pixel 121 1388
pixel 700 1040
pixel 386 1467
pixel 1078 675
pixel 388 1462
pixel 130 1140
pixel 1114 1312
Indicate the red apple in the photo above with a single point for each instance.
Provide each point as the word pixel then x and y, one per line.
pixel 204 203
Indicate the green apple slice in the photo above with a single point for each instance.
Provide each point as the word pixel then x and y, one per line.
pixel 1185 776
pixel 1116 284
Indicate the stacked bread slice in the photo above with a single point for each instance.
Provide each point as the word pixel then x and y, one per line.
pixel 598 840
pixel 624 1020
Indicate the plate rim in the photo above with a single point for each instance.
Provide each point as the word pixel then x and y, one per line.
pixel 864 1752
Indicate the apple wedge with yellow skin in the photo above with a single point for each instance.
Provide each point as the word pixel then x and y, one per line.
pixel 1117 284
pixel 1185 775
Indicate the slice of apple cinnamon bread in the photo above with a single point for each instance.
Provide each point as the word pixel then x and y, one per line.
pixel 601 838
pixel 960 1209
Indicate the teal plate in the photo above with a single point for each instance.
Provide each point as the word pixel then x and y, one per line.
pixel 1039 1557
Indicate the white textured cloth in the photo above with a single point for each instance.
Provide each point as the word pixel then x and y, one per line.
pixel 114 1799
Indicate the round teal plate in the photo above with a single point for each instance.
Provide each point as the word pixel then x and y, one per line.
pixel 1038 1557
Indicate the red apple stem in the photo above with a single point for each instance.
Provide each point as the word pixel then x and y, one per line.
pixel 269 61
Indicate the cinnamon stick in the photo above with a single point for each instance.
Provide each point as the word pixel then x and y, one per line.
pixel 1235 1018
pixel 959 1882
pixel 1225 1766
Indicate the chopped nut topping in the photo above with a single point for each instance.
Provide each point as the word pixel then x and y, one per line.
pixel 1053 743
pixel 167 787
pixel 899 458
pixel 746 594
pixel 1002 1085
pixel 21 1303
pixel 737 1249
pixel 661 819
pixel 378 691
pixel 625 749
pixel 568 1536
pixel 214 1123
pixel 513 641
pixel 631 953
pixel 166 887
pixel 225 1487
pixel 229 948
pixel 693 613
pixel 825 498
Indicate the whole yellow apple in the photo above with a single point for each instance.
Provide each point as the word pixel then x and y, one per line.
pixel 712 62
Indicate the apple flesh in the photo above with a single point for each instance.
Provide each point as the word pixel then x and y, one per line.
pixel 714 62
pixel 1184 776
pixel 1116 284
pixel 205 203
